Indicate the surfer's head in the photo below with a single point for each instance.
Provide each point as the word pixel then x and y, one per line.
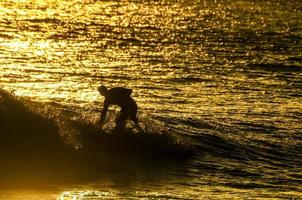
pixel 102 90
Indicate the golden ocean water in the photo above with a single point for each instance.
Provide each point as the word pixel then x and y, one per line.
pixel 224 76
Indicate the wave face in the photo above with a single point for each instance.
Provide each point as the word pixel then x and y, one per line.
pixel 30 142
pixel 37 137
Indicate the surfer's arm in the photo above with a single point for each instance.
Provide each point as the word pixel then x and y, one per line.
pixel 103 113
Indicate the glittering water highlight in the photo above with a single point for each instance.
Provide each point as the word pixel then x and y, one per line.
pixel 223 76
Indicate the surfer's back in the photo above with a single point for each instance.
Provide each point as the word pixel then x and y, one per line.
pixel 119 96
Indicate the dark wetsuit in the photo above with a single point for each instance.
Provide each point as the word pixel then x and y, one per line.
pixel 120 96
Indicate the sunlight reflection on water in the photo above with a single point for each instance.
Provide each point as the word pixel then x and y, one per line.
pixel 234 64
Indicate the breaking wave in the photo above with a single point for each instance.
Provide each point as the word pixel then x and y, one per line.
pixel 43 138
pixel 52 142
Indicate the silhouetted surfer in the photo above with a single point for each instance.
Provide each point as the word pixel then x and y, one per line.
pixel 119 96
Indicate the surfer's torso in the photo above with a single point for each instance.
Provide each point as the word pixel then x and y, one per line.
pixel 120 96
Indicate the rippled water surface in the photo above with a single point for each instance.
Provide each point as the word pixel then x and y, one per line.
pixel 224 75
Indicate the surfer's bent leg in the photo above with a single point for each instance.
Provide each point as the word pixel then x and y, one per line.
pixel 120 120
pixel 133 117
